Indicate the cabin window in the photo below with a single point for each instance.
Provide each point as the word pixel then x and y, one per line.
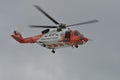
pixel 45 35
pixel 56 34
pixel 76 33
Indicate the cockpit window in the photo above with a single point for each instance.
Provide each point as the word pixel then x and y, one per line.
pixel 76 33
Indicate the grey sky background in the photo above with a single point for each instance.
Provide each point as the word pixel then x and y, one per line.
pixel 97 60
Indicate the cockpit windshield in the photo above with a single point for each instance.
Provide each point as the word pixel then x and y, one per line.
pixel 76 33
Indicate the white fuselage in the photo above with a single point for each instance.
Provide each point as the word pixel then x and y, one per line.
pixel 52 39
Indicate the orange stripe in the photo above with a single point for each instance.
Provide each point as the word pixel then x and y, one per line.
pixel 55 45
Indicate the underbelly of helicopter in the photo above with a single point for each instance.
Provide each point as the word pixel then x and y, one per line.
pixel 55 45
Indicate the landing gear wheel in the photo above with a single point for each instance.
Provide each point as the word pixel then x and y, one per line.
pixel 76 46
pixel 53 51
pixel 14 31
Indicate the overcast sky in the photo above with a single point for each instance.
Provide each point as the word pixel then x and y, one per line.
pixel 97 60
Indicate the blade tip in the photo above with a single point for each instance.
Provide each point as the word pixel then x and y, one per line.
pixel 96 20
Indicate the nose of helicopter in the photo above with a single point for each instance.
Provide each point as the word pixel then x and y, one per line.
pixel 85 39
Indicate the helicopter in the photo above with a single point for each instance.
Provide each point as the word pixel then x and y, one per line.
pixel 54 37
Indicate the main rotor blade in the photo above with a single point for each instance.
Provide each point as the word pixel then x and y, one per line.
pixel 37 26
pixel 46 14
pixel 87 22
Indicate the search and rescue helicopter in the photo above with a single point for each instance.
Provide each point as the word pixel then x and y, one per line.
pixel 54 37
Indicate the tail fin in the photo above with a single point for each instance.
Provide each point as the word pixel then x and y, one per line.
pixel 17 36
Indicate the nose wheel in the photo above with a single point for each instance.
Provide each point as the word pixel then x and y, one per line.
pixel 76 46
pixel 53 51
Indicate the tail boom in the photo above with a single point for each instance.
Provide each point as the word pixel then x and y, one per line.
pixel 18 37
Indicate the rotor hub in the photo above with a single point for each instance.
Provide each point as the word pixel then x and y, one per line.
pixel 61 25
